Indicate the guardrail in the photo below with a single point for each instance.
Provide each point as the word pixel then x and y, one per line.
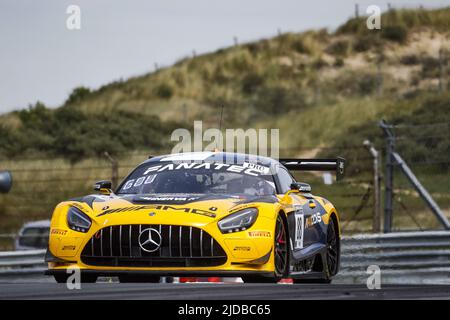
pixel 408 257
pixel 22 263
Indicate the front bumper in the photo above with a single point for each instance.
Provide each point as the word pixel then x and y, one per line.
pixel 167 273
pixel 245 251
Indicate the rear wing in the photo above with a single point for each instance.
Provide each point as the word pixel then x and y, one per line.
pixel 337 165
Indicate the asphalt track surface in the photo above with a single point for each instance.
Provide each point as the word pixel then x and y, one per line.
pixel 48 290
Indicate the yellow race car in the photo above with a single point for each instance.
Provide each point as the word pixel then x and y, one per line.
pixel 201 214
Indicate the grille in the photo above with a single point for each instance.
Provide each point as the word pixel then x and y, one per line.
pixel 181 246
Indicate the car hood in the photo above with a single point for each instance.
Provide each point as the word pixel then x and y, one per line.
pixel 187 207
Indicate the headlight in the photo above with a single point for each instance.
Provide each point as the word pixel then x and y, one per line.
pixel 77 220
pixel 238 221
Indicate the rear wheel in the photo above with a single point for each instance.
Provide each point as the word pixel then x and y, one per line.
pixel 281 258
pixel 131 278
pixel 332 257
pixel 332 249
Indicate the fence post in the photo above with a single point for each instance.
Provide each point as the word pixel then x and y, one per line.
pixel 376 221
pixel 389 176
pixel 422 191
pixel 114 170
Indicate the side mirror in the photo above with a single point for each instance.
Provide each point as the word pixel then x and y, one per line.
pixel 5 181
pixel 301 187
pixel 104 186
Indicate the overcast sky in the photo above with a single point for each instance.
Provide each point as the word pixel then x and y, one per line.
pixel 40 59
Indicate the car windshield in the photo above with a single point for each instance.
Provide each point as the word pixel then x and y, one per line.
pixel 216 178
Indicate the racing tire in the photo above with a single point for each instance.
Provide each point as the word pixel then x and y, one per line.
pixel 281 255
pixel 130 278
pixel 85 278
pixel 332 256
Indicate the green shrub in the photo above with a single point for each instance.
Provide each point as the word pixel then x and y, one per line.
pixel 219 75
pixel 352 26
pixel 430 67
pixel 394 33
pixel 438 19
pixel 78 94
pixel 279 99
pixel 164 91
pixel 356 83
pixel 339 48
pixel 251 82
pixel 319 63
pixel 70 133
pixel 368 84
pixel 241 63
pixel 299 46
pixel 367 41
pixel 410 59
pixel 179 78
pixel 339 62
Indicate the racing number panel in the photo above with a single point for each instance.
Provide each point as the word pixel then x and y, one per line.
pixel 307 231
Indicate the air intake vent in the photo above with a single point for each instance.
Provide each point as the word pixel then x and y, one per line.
pixel 180 246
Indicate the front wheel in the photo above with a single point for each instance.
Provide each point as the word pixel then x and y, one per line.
pixel 281 256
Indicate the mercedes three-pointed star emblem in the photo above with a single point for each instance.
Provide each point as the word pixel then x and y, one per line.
pixel 150 240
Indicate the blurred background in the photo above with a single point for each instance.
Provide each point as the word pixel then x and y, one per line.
pixel 79 106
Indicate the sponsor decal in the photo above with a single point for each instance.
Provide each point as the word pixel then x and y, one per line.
pixel 135 208
pixel 314 219
pixel 60 232
pixel 150 174
pixel 241 249
pixel 242 207
pixel 261 169
pixel 181 199
pixel 69 248
pixel 160 207
pixel 259 234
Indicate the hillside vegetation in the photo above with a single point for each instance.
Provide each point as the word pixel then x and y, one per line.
pixel 289 76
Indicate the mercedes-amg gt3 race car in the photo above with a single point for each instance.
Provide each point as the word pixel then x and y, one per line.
pixel 201 214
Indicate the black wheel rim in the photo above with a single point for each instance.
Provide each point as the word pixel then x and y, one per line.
pixel 280 247
pixel 332 249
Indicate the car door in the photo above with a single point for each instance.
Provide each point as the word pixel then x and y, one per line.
pixel 303 220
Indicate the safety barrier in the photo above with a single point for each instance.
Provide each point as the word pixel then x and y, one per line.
pixel 22 263
pixel 407 257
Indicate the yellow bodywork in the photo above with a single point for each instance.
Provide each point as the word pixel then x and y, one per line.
pixel 257 241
